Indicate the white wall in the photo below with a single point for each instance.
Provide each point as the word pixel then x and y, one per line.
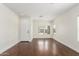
pixel 9 25
pixel 78 28
pixel 25 29
pixel 36 24
pixel 66 28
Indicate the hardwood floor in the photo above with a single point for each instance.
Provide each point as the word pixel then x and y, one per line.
pixel 40 47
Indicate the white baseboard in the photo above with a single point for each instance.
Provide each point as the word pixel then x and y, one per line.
pixel 67 45
pixel 8 47
pixel 27 40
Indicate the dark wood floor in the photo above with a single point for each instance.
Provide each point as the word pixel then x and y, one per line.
pixel 40 47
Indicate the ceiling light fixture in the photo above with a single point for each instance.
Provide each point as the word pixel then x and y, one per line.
pixel 41 16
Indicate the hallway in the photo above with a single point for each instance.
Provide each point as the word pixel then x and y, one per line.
pixel 39 29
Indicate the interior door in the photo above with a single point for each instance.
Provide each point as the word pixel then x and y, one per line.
pixel 25 27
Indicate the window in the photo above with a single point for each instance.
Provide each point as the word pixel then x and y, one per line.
pixel 44 29
pixel 54 29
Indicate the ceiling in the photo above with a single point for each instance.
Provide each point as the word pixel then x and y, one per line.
pixel 40 10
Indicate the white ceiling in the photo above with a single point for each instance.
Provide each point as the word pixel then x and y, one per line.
pixel 40 10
